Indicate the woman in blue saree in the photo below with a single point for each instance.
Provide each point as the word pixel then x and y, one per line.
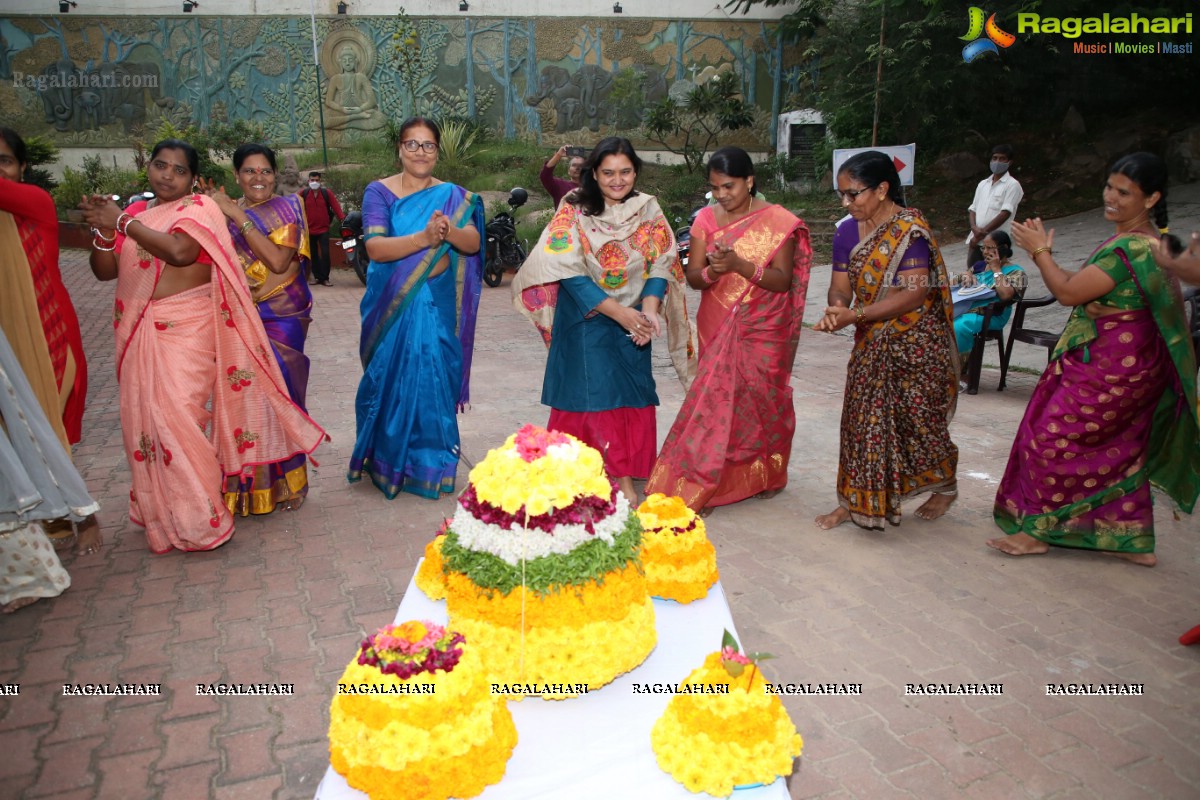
pixel 418 321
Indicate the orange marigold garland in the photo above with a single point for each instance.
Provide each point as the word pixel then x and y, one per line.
pixel 435 734
pixel 430 577
pixel 680 561
pixel 714 742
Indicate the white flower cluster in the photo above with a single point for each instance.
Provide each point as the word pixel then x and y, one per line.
pixel 513 544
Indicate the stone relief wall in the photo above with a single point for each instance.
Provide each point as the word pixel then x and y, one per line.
pixel 96 81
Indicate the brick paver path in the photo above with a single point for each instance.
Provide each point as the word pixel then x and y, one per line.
pixel 289 597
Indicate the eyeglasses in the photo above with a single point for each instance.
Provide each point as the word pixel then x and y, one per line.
pixel 412 146
pixel 851 194
pixel 266 172
pixel 991 249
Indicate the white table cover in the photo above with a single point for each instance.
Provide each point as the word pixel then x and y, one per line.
pixel 596 746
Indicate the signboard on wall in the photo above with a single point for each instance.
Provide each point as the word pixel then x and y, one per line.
pixel 904 156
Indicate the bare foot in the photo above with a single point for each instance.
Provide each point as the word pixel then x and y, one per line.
pixel 626 486
pixel 1019 544
pixel 936 505
pixel 89 538
pixel 1141 559
pixel 768 494
pixel 833 518
pixel 19 603
pixel 291 505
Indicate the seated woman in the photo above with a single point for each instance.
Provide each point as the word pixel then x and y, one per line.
pixel 1008 281
pixel 1115 411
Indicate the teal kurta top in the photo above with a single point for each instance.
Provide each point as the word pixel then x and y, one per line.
pixel 593 365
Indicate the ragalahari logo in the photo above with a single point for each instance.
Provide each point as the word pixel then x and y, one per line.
pixel 996 38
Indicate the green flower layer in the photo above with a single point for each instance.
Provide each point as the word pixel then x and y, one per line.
pixel 545 574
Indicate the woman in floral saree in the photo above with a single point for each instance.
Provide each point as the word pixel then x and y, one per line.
pixel 270 237
pixel 188 332
pixel 418 321
pixel 1115 411
pixel 890 282
pixel 732 438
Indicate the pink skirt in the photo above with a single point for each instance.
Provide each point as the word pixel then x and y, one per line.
pixel 627 437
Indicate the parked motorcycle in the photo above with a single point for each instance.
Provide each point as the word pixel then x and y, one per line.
pixel 683 238
pixel 503 251
pixel 353 246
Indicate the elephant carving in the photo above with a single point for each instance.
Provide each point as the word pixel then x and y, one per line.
pixel 594 85
pixel 75 99
pixel 555 84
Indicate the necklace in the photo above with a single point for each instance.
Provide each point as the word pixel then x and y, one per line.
pixel 890 214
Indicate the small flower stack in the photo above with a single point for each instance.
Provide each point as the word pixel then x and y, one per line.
pixel 718 742
pixel 541 567
pixel 680 561
pixel 414 717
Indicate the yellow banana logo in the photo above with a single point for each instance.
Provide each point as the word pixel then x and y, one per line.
pixel 975 17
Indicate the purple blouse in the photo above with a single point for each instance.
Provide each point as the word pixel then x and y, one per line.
pixel 846 238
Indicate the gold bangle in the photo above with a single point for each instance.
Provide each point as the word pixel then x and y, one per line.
pixel 1040 250
pixel 860 316
pixel 245 226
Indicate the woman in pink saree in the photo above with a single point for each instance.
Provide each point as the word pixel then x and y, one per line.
pixel 732 438
pixel 188 332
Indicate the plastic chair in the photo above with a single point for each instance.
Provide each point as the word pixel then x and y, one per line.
pixel 1019 333
pixel 975 360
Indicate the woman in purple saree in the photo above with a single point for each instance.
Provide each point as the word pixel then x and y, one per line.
pixel 1115 411
pixel 270 236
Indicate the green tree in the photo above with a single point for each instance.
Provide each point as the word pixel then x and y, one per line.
pixel 406 51
pixel 693 127
pixel 40 150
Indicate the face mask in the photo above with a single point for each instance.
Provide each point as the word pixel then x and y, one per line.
pixel 314 185
pixel 999 167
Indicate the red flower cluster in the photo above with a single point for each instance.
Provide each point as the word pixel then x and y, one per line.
pixel 584 511
pixel 443 656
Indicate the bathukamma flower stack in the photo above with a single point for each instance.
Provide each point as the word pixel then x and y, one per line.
pixel 541 568
pixel 414 717
pixel 680 561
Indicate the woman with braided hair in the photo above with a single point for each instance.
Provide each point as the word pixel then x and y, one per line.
pixel 1115 411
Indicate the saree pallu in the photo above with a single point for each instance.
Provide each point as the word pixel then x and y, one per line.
pixel 32 277
pixel 418 334
pixel 1113 415
pixel 733 436
pixel 901 384
pixel 286 311
pixel 173 355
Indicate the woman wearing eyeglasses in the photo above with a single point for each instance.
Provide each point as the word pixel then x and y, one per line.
pixel 996 273
pixel 270 238
pixel 889 281
pixel 188 338
pixel 424 238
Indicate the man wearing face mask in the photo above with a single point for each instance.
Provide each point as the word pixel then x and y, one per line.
pixel 995 204
pixel 321 208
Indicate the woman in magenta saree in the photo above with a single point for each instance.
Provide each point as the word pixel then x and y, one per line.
pixel 732 438
pixel 1115 411
pixel 418 322
pixel 270 237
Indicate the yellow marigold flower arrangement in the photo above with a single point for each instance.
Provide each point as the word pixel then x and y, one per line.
pixel 539 470
pixel 715 742
pixel 414 717
pixel 680 561
pixel 430 578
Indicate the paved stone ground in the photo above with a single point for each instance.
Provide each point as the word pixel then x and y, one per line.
pixel 288 598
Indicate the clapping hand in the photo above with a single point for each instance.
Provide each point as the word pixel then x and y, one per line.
pixel 437 229
pixel 721 258
pixel 224 202
pixel 1032 235
pixel 100 212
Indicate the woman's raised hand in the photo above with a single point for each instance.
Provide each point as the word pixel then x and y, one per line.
pixel 1031 235
pixel 99 211
pixel 224 202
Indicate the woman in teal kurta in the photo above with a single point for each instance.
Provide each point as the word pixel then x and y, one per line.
pixel 603 280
